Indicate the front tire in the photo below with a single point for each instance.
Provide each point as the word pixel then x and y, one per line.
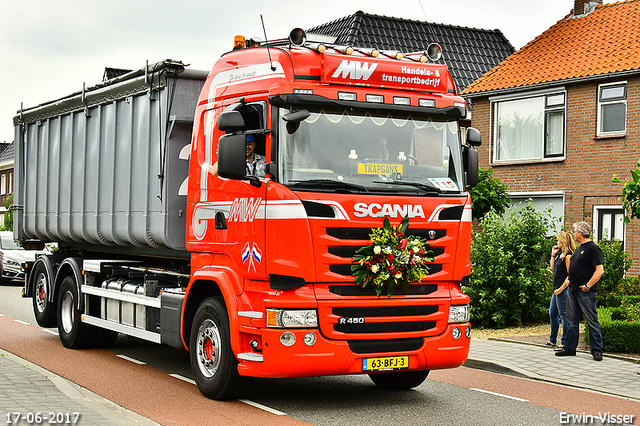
pixel 213 363
pixel 43 309
pixel 399 380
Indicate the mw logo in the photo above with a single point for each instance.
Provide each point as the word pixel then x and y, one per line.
pixel 354 70
pixel 244 209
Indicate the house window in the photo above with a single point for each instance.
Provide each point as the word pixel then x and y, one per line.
pixel 609 223
pixel 530 128
pixel 544 202
pixel 3 184
pixel 10 189
pixel 612 109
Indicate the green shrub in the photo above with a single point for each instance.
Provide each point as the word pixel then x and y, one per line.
pixel 629 286
pixel 489 193
pixel 510 281
pixel 619 333
pixel 616 300
pixel 616 263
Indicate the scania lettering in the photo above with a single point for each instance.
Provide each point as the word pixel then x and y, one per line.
pixel 140 181
pixel 377 210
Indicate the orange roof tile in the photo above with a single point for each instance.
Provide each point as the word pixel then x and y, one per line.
pixel 605 41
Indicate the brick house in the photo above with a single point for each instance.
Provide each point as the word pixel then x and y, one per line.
pixel 561 116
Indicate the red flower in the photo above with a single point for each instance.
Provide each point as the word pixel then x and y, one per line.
pixel 390 257
pixel 403 244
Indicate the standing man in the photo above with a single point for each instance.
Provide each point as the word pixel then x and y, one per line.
pixel 587 266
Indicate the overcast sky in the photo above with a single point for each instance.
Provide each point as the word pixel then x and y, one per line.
pixel 48 48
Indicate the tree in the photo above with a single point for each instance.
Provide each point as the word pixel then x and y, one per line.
pixel 510 281
pixel 630 194
pixel 489 193
pixel 8 216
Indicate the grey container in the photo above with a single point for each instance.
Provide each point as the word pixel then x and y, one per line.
pixel 102 168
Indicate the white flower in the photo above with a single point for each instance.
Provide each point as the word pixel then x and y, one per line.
pixel 377 249
pixel 398 275
pixel 374 268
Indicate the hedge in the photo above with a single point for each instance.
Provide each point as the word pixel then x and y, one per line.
pixel 619 335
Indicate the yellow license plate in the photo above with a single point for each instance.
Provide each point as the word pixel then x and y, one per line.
pixel 387 363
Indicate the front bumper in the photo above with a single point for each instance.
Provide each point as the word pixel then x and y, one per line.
pixel 335 357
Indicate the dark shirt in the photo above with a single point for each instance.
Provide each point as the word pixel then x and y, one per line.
pixel 559 270
pixel 583 265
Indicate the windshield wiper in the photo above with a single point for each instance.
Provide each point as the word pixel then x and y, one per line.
pixel 422 186
pixel 328 183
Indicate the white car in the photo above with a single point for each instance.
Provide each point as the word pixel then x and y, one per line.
pixel 13 257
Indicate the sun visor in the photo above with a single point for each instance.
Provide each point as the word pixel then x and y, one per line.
pixel 388 74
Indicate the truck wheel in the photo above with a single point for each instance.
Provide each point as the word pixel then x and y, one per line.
pixel 74 334
pixel 399 379
pixel 212 361
pixel 43 309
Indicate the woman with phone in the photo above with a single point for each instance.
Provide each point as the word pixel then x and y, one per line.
pixel 559 263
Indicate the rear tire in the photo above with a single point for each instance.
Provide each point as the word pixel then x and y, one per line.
pixel 213 363
pixel 399 380
pixel 43 309
pixel 74 334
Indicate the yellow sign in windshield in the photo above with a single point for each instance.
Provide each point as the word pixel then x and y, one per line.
pixel 378 169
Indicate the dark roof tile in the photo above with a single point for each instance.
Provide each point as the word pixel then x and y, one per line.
pixel 471 49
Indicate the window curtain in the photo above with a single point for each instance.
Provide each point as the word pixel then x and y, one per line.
pixel 520 127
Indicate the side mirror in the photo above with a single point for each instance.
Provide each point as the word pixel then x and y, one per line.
pixel 232 152
pixel 293 119
pixel 470 165
pixel 229 121
pixel 473 137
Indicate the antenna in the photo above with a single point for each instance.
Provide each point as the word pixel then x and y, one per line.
pixel 267 45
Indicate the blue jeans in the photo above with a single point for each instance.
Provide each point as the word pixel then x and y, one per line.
pixel 585 303
pixel 557 313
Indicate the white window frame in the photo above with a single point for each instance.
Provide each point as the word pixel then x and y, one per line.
pixel 3 184
pixel 611 102
pixel 524 196
pixel 597 224
pixel 495 100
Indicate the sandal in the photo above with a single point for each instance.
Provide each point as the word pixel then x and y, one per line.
pixel 550 344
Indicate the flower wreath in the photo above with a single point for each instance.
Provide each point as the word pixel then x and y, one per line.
pixel 391 259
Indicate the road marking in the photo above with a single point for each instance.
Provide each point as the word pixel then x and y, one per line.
pixel 499 394
pixel 262 407
pixel 22 322
pixel 50 331
pixel 184 379
pixel 135 361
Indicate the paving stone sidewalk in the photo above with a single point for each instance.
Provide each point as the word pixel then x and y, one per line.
pixel 610 376
pixel 27 389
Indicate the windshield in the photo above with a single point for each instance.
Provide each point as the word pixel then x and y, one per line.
pixel 370 152
pixel 7 243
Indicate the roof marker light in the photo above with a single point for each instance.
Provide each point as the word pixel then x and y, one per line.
pixel 320 48
pixel 427 103
pixel 347 96
pixel 370 52
pixel 397 100
pixel 393 54
pixel 344 49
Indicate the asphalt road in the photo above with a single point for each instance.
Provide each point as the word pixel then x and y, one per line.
pixel 138 375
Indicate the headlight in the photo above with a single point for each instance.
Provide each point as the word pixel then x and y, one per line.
pixel 458 313
pixel 8 261
pixel 286 318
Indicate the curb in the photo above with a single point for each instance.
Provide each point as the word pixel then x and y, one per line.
pixel 614 356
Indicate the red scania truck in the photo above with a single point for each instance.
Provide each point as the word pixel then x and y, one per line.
pixel 162 234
